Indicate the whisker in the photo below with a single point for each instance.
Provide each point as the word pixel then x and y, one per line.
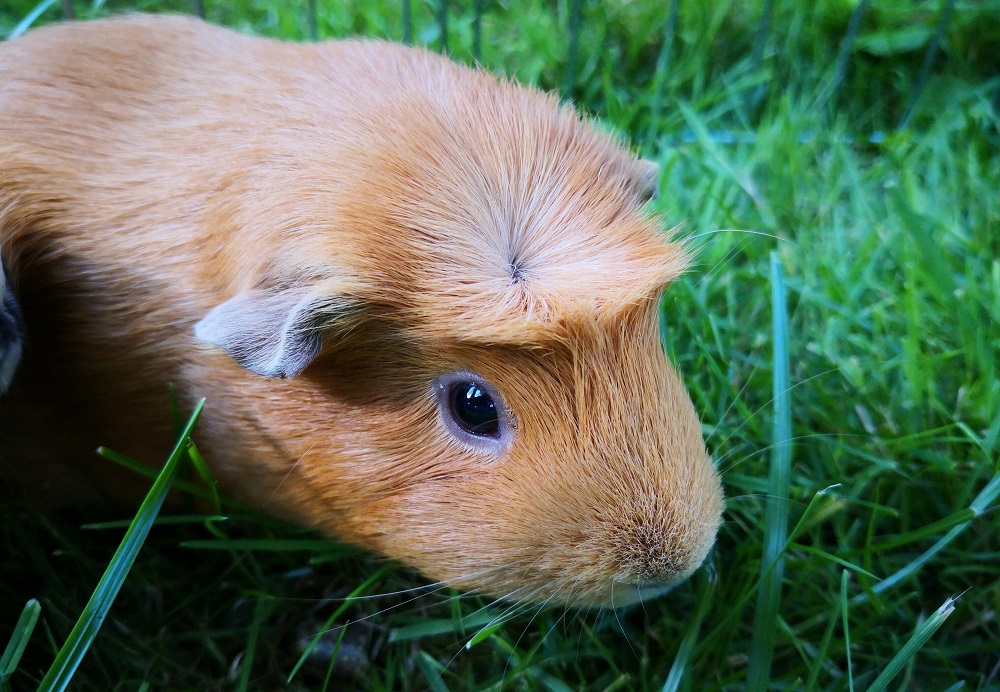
pixel 730 253
pixel 805 437
pixel 285 478
pixel 512 605
pixel 439 586
pixel 746 383
pixel 771 401
pixel 740 230
pixel 431 588
pixel 642 603
pixel 620 626
pixel 766 448
pixel 523 632
pixel 499 619
pixel 579 613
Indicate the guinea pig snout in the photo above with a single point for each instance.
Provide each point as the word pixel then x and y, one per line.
pixel 659 541
pixel 654 554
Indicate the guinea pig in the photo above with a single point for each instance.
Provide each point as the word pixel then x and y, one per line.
pixel 422 302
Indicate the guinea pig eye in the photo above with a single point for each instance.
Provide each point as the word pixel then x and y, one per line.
pixel 473 412
pixel 474 409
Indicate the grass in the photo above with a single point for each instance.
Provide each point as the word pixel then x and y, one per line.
pixel 889 239
pixel 772 564
pixel 85 631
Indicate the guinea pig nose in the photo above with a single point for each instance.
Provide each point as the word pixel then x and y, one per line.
pixel 653 555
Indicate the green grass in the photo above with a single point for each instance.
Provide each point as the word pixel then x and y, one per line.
pixel 87 626
pixel 889 239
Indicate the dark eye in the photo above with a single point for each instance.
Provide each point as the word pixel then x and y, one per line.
pixel 474 412
pixel 473 409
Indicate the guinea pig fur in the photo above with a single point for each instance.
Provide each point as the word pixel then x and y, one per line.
pixel 351 249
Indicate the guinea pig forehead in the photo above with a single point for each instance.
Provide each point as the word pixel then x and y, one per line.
pixel 488 268
pixel 505 214
pixel 484 297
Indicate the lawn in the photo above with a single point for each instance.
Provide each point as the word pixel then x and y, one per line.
pixel 840 335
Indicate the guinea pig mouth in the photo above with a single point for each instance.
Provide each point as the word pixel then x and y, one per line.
pixel 625 594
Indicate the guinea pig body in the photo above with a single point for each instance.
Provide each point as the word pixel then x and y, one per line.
pixel 352 249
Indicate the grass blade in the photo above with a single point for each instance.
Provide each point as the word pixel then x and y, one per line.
pixel 311 20
pixel 821 660
pixel 477 30
pixel 683 658
pixel 929 57
pixel 549 681
pixel 260 613
pixel 87 626
pixel 844 609
pixel 435 627
pixel 829 90
pixel 662 64
pixel 30 18
pixel 432 671
pixel 575 23
pixel 924 631
pixel 760 36
pixel 443 24
pixel 765 622
pixel 333 657
pixel 983 501
pixel 407 22
pixel 18 640
pixel 348 600
pixel 150 472
pixel 271 545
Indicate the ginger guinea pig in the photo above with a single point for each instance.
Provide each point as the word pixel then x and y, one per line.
pixel 422 302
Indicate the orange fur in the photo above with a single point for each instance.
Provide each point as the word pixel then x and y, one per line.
pixel 418 216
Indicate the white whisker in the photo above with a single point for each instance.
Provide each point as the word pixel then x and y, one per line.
pixel 739 230
pixel 770 401
pixel 620 626
pixel 285 478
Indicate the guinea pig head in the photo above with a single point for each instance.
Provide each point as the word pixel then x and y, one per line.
pixel 484 349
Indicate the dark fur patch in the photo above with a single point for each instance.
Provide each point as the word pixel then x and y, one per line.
pixel 11 334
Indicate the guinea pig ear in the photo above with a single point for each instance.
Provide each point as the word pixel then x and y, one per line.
pixel 647 179
pixel 270 333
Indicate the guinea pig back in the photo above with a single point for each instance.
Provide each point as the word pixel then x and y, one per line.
pixel 422 302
